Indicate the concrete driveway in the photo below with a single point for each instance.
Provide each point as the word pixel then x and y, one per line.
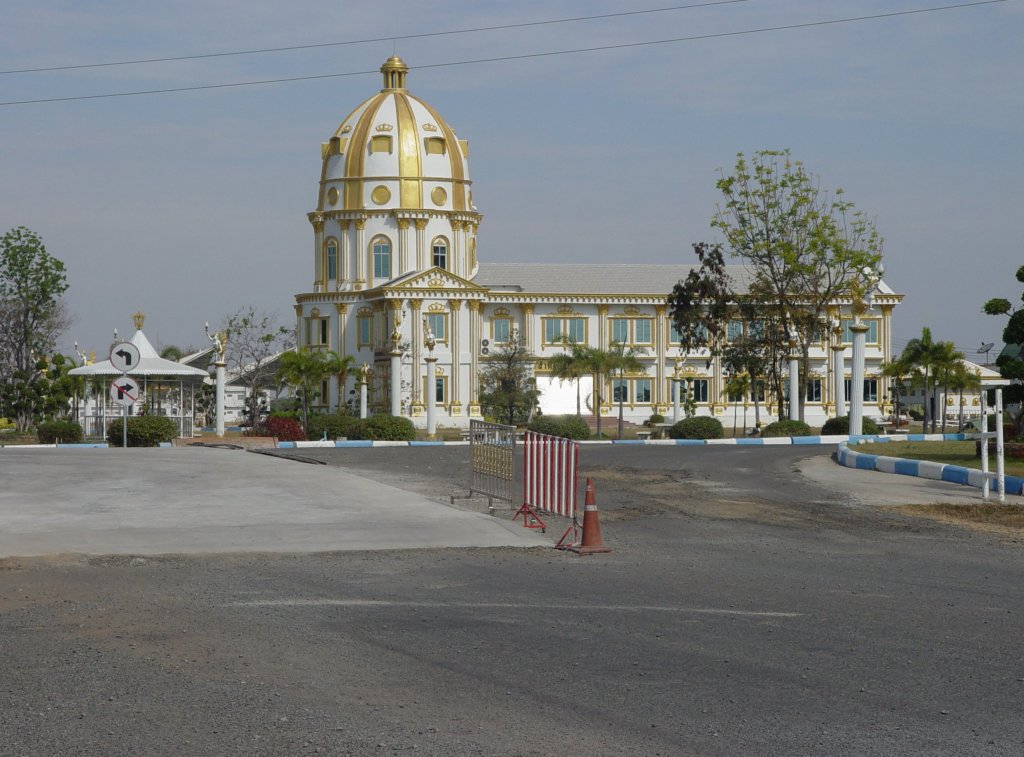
pixel 193 500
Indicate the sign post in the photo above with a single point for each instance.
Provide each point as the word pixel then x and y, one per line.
pixel 124 356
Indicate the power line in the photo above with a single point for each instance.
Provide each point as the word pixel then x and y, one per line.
pixel 525 56
pixel 473 30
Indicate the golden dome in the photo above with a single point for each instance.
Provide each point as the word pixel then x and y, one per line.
pixel 395 151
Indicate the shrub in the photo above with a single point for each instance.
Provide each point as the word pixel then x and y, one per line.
pixel 294 415
pixel 566 426
pixel 53 432
pixel 841 425
pixel 284 429
pixel 143 431
pixel 655 418
pixel 392 428
pixel 786 427
pixel 335 425
pixel 701 427
pixel 916 414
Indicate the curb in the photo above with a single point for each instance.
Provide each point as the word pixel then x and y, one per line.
pixel 954 474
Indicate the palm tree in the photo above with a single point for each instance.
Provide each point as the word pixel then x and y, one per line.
pixel 624 359
pixel 598 362
pixel 172 352
pixel 961 379
pixel 306 369
pixel 572 366
pixel 899 370
pixel 918 353
pixel 944 356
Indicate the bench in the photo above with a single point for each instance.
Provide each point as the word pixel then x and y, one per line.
pixel 643 433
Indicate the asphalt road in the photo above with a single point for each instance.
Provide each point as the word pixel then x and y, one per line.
pixel 746 608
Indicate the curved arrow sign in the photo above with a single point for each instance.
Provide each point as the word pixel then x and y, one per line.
pixel 124 356
pixel 124 390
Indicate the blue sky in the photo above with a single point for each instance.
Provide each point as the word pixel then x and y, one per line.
pixel 190 206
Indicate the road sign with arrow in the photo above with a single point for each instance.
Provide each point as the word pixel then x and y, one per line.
pixel 124 390
pixel 124 357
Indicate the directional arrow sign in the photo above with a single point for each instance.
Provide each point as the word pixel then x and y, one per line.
pixel 124 356
pixel 124 390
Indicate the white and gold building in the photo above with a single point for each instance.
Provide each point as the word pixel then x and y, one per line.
pixel 395 247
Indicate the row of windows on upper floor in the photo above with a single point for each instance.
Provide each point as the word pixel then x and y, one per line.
pixel 557 331
pixel 638 391
pixel 381 248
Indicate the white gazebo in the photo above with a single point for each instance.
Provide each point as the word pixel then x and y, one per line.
pixel 168 388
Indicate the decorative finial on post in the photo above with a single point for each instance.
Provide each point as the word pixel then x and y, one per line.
pixel 138 318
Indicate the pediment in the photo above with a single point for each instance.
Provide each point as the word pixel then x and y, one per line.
pixel 433 280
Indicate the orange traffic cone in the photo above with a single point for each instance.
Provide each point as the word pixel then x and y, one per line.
pixel 591 543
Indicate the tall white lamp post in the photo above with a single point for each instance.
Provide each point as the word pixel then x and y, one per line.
pixel 871 276
pixel 794 376
pixel 396 367
pixel 220 342
pixel 430 342
pixel 838 369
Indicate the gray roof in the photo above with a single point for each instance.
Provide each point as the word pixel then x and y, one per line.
pixel 150 364
pixel 591 278
pixel 598 278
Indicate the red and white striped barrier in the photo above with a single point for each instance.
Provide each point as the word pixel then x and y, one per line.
pixel 550 472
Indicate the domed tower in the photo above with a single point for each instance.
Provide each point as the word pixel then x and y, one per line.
pixel 394 195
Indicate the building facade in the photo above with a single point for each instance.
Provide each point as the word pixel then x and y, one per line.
pixel 395 252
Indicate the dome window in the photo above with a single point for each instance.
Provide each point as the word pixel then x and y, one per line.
pixel 439 250
pixel 380 143
pixel 435 146
pixel 332 260
pixel 381 258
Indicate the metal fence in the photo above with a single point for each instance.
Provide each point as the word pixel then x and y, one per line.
pixel 492 451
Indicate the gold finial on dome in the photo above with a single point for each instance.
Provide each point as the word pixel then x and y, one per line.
pixel 139 318
pixel 394 70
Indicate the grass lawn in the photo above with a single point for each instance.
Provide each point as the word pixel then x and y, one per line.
pixel 950 453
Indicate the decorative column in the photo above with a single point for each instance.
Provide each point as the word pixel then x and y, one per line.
pixel 220 342
pixel 660 356
pixel 360 282
pixel 455 307
pixel 838 368
pixel 675 390
pixel 422 261
pixel 527 330
pixel 403 246
pixel 475 328
pixel 857 378
pixel 298 325
pixel 364 379
pixel 794 381
pixel 455 264
pixel 429 341
pixel 342 349
pixel 318 252
pixel 396 367
pixel 415 306
pixel 346 268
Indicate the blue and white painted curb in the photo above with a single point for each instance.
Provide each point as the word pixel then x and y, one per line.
pixel 954 474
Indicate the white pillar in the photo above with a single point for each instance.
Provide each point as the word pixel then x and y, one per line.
pixel 431 397
pixel 1000 466
pixel 220 365
pixel 396 382
pixel 839 371
pixel 362 400
pixel 857 379
pixel 675 401
pixel 794 387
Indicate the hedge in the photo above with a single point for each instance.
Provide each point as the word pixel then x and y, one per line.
pixel 700 427
pixel 283 429
pixel 143 431
pixel 786 427
pixel 392 428
pixel 565 426
pixel 841 425
pixel 53 432
pixel 335 425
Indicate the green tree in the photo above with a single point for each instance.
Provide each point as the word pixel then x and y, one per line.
pixel 508 389
pixel 572 365
pixel 255 339
pixel 962 379
pixel 945 358
pixel 32 316
pixel 305 370
pixel 805 247
pixel 899 371
pixel 736 387
pixel 919 354
pixel 1011 360
pixel 623 359
pixel 172 352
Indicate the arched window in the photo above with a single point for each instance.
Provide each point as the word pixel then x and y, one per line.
pixel 439 248
pixel 332 259
pixel 381 258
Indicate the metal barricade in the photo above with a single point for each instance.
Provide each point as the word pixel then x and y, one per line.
pixel 492 452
